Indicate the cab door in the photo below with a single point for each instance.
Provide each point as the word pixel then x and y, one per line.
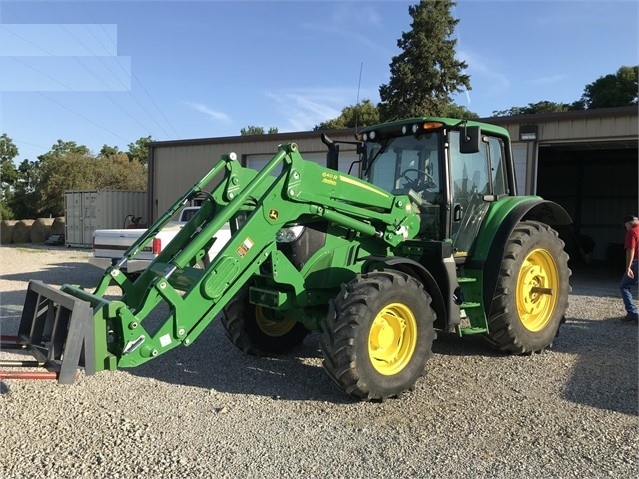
pixel 470 186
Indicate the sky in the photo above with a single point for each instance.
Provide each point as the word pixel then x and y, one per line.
pixel 105 72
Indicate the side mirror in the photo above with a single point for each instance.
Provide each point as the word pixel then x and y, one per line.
pixel 469 139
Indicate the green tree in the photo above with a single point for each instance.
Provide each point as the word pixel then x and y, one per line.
pixel 62 148
pixel 539 107
pixel 138 151
pixel 363 114
pixel 8 151
pixel 23 201
pixel 454 110
pixel 258 130
pixel 8 174
pixel 108 151
pixel 252 130
pixel 73 170
pixel 426 73
pixel 618 89
pixel 117 172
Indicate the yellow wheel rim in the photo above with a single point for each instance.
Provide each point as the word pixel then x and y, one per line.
pixel 537 289
pixel 392 339
pixel 272 327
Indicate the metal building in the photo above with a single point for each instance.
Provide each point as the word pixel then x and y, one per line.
pixel 587 161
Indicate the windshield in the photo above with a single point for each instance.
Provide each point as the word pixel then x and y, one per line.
pixel 405 163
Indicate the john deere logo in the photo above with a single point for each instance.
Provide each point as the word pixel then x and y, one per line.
pixel 273 214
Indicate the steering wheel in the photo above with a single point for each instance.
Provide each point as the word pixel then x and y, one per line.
pixel 422 181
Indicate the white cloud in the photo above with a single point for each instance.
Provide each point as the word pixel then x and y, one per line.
pixel 349 14
pixel 346 19
pixel 216 115
pixel 479 67
pixel 302 109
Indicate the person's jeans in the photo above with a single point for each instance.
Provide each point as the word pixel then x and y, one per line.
pixel 626 286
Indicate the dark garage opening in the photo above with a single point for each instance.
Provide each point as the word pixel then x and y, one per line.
pixel 597 184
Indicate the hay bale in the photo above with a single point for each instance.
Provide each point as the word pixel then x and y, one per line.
pixel 6 231
pixel 59 226
pixel 41 230
pixel 22 231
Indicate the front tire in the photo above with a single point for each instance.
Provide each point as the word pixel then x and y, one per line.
pixel 378 335
pixel 250 329
pixel 532 290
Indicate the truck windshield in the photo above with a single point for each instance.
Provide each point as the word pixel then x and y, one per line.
pixel 406 163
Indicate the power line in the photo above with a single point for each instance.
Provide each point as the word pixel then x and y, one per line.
pixel 100 79
pixel 131 94
pixel 82 116
pixel 107 67
pixel 139 82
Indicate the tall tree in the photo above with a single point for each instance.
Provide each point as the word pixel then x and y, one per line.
pixel 615 89
pixel 9 175
pixel 23 201
pixel 138 151
pixel 426 73
pixel 363 114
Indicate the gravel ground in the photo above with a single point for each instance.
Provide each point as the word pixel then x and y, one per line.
pixel 210 411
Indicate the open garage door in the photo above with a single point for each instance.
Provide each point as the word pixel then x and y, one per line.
pixel 597 184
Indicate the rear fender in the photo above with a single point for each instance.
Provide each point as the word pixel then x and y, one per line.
pixel 500 221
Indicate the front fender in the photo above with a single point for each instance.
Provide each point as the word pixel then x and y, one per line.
pixel 419 272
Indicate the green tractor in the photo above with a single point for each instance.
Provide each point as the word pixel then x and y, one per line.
pixel 426 235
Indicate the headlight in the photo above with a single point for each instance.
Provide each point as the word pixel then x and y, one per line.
pixel 288 235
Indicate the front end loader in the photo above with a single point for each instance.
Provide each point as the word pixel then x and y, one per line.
pixel 376 262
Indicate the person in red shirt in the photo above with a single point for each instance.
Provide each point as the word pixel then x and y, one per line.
pixel 630 275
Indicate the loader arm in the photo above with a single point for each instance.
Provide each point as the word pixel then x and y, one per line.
pixel 173 300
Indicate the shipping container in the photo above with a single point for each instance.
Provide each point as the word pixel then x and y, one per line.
pixel 89 210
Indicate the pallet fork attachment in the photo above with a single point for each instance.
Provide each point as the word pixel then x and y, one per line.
pixel 56 329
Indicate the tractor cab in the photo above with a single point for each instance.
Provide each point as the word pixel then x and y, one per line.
pixel 452 171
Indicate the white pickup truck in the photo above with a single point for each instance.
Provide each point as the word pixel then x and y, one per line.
pixel 110 245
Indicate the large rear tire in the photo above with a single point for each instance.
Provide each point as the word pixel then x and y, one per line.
pixel 378 335
pixel 250 329
pixel 532 290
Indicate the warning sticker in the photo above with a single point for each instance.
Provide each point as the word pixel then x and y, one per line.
pixel 244 248
pixel 165 340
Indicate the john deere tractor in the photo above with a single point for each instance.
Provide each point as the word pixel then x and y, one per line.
pixel 425 234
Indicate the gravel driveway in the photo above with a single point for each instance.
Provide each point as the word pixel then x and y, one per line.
pixel 210 411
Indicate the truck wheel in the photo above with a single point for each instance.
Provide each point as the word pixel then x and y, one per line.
pixel 378 335
pixel 532 290
pixel 250 329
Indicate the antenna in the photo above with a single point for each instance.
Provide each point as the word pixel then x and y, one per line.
pixel 359 83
